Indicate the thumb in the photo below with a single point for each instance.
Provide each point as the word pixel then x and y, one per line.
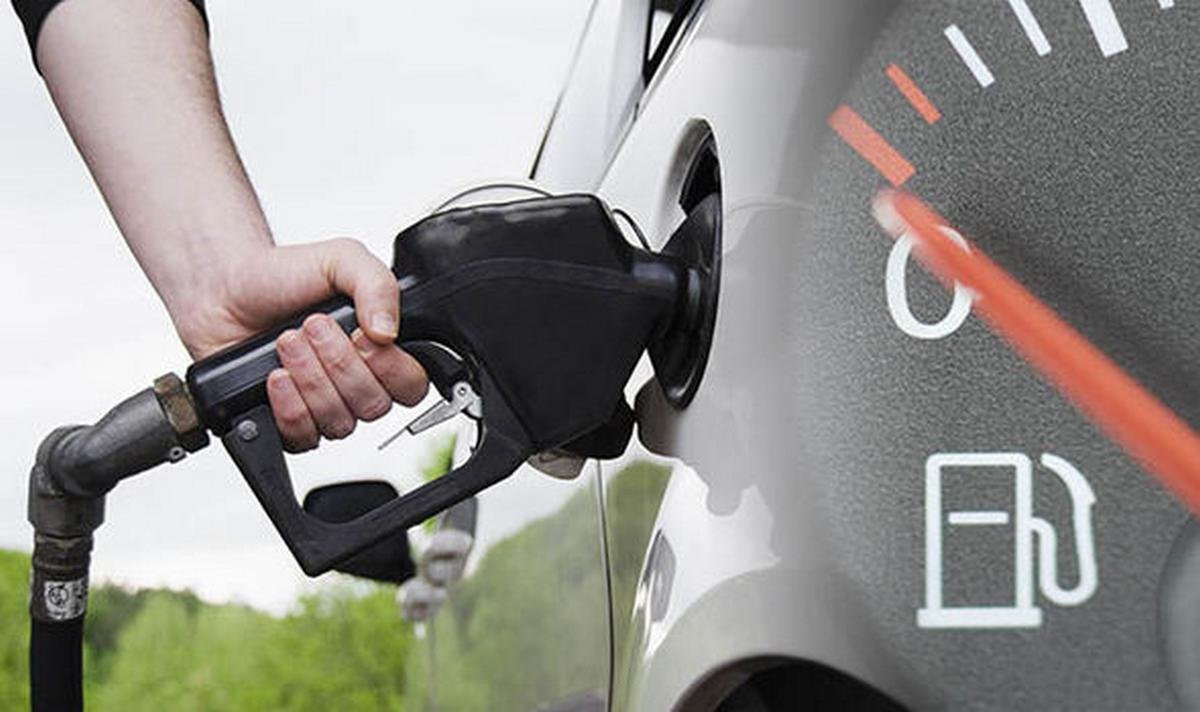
pixel 351 269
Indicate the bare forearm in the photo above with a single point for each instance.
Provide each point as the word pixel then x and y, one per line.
pixel 144 113
pixel 133 80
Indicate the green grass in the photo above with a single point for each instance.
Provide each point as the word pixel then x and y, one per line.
pixel 158 649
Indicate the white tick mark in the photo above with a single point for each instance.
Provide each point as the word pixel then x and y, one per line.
pixel 969 56
pixel 1105 27
pixel 1030 24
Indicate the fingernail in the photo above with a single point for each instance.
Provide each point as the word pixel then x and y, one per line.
pixel 319 328
pixel 383 323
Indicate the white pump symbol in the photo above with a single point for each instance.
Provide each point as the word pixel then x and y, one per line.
pixel 1023 613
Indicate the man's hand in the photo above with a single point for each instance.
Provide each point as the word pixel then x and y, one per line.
pixel 133 81
pixel 329 380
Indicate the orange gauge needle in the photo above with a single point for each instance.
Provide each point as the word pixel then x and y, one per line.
pixel 1149 431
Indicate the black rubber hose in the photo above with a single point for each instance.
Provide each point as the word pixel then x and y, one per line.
pixel 56 666
pixel 58 591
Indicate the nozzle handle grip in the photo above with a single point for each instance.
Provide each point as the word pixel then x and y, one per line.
pixel 318 546
pixel 235 380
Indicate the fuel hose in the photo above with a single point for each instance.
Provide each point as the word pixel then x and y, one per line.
pixel 58 602
pixel 75 467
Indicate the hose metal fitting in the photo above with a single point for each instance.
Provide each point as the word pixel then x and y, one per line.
pixel 77 465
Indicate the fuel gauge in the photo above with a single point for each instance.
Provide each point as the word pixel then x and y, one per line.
pixel 1006 544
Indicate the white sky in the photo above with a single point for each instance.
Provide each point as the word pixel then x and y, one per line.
pixel 351 122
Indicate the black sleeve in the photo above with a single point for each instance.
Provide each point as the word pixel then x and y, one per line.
pixel 33 13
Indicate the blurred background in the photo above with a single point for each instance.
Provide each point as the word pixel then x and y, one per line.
pixel 351 121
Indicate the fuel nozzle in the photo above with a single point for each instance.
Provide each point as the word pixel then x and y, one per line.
pixel 537 310
pixel 680 355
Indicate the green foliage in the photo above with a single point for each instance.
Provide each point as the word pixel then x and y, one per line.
pixel 173 657
pixel 14 631
pixel 339 650
pixel 110 610
pixel 634 495
pixel 359 643
pixel 156 649
pixel 441 459
pixel 507 622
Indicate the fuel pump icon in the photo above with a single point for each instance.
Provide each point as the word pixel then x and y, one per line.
pixel 1033 537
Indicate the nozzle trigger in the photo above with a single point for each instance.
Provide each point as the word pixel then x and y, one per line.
pixel 463 399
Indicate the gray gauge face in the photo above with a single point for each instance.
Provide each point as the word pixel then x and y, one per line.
pixel 1011 555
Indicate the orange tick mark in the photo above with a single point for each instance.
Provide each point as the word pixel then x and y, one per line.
pixel 913 93
pixel 855 131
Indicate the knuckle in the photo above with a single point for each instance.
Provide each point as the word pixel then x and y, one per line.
pixel 340 361
pixel 350 251
pixel 309 380
pixel 380 359
pixel 291 417
pixel 384 370
pixel 319 330
pixel 368 351
pixel 290 414
pixel 301 371
pixel 291 349
pixel 385 284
